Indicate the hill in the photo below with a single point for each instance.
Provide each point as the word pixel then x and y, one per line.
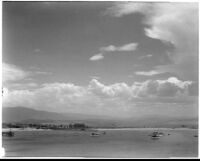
pixel 27 115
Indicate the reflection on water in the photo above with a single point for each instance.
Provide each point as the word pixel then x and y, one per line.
pixel 113 143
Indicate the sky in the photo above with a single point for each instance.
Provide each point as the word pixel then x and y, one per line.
pixel 122 59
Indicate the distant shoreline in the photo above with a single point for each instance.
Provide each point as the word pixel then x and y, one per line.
pixel 100 129
pixel 142 128
pixel 24 129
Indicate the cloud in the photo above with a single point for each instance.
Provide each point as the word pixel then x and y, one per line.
pixel 13 73
pixel 176 23
pixel 95 77
pixel 97 57
pixel 117 90
pixel 14 77
pixel 112 48
pixel 126 47
pixel 172 87
pixel 149 73
pixel 97 97
pixel 120 9
pixel 21 85
pixel 146 56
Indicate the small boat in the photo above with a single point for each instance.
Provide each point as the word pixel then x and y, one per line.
pixel 156 134
pixel 94 134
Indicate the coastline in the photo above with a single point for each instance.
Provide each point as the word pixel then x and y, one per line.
pixel 153 128
pixel 24 129
pixel 98 129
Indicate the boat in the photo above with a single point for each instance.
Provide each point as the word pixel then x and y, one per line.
pixel 156 134
pixel 94 134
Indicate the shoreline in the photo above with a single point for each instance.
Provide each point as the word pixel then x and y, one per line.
pixel 24 129
pixel 98 129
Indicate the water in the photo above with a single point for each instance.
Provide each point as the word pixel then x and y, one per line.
pixel 126 143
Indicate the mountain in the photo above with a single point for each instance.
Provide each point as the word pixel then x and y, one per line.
pixel 19 114
pixel 27 115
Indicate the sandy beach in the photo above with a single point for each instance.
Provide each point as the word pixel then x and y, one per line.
pixel 125 143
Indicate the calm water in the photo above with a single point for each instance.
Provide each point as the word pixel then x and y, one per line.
pixel 115 143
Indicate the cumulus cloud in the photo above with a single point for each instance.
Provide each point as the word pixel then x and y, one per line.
pixel 112 48
pixel 97 96
pixel 12 73
pixel 114 90
pixel 176 23
pixel 164 88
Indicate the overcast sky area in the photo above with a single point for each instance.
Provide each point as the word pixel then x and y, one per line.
pixel 108 58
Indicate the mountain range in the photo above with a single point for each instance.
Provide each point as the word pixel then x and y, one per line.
pixel 27 115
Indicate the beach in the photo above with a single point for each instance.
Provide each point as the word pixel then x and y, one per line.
pixel 120 143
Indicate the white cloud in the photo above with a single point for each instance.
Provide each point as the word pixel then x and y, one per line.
pixel 97 57
pixel 114 90
pixel 108 48
pixel 170 22
pixel 12 73
pixel 164 88
pixel 126 47
pixel 98 97
pixel 112 48
pixel 149 73
pixel 16 78
pixel 125 8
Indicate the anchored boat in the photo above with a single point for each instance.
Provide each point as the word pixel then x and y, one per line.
pixel 156 134
pixel 94 134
